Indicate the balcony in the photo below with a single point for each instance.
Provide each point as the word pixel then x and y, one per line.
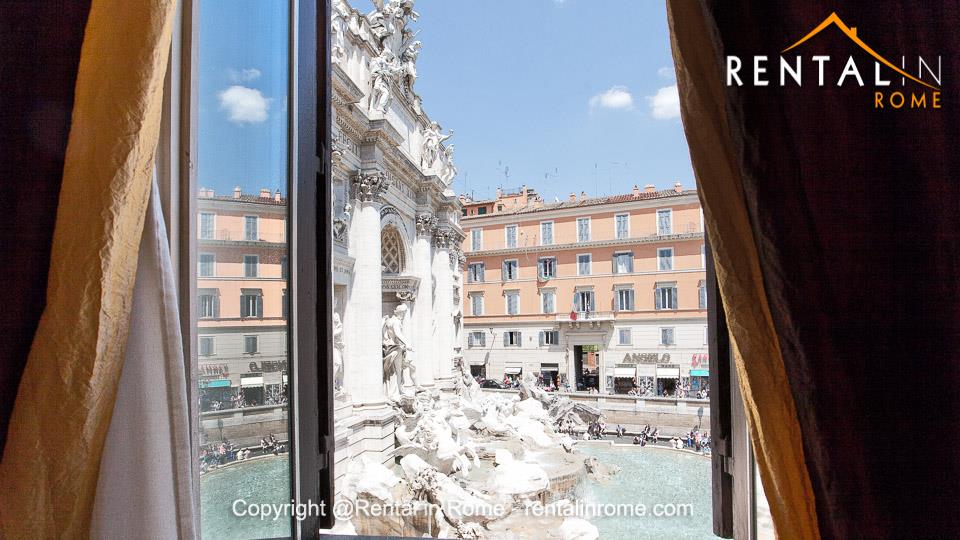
pixel 225 236
pixel 584 319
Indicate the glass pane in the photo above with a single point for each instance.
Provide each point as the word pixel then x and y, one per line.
pixel 242 204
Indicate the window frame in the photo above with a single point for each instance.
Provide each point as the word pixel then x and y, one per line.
pixel 669 212
pixel 256 229
pixel 516 235
pixel 673 336
pixel 503 268
pixel 256 267
pixel 670 258
pixel 213 265
pixel 506 302
pixel 629 341
pixel 213 226
pixel 617 289
pixel 540 273
pixel 471 296
pixel 552 230
pixel 543 299
pixel 589 264
pixel 616 230
pixel 476 240
pixel 470 272
pixel 213 345
pixel 589 223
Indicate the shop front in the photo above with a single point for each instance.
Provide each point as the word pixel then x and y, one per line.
pixel 624 379
pixel 251 389
pixel 699 372
pixel 512 374
pixel 668 379
pixel 550 375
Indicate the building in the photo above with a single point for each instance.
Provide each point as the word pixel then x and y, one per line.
pixel 241 299
pixel 605 293
pixel 507 200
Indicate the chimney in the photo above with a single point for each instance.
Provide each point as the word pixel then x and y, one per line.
pixel 636 191
pixel 264 193
pixel 649 188
pixel 276 196
pixel 678 187
pixel 499 193
pixel 573 197
pixel 236 192
pixel 583 195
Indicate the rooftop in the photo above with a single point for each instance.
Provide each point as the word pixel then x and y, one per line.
pixel 583 201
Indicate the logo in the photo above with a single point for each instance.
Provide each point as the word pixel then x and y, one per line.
pixel 919 89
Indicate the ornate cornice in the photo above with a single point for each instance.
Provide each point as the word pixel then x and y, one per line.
pixel 370 184
pixel 441 237
pixel 426 223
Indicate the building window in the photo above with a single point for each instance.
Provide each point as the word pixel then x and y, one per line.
pixel 625 299
pixel 205 265
pixel 665 259
pixel 666 336
pixel 624 336
pixel 623 226
pixel 208 303
pixel 546 233
pixel 665 221
pixel 549 337
pixel 665 296
pixel 475 273
pixel 251 264
pixel 513 302
pixel 511 235
pixel 703 294
pixel 251 344
pixel 206 346
pixel 623 263
pixel 251 228
pixel 547 267
pixel 511 270
pixel 283 267
pixel 391 251
pixel 583 264
pixel 583 300
pixel 703 255
pixel 482 211
pixel 285 305
pixel 548 301
pixel 583 229
pixel 476 304
pixel 206 226
pixel 477 339
pixel 511 338
pixel 476 239
pixel 251 303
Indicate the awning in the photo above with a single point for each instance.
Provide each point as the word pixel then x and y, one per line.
pixel 284 378
pixel 646 370
pixel 668 373
pixel 512 370
pixel 625 372
pixel 549 367
pixel 251 381
pixel 215 383
pixel 699 372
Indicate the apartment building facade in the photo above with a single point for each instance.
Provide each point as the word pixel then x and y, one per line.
pixel 605 293
pixel 241 298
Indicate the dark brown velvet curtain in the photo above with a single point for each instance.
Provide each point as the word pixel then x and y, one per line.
pixel 856 217
pixel 39 55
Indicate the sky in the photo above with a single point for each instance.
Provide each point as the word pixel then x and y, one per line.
pixel 562 95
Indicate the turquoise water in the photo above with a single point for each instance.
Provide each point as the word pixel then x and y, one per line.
pixel 651 477
pixel 265 480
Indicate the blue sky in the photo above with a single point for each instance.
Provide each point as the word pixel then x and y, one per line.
pixel 572 95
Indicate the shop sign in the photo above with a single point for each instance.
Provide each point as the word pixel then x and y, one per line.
pixel 268 366
pixel 214 370
pixel 646 358
pixel 700 361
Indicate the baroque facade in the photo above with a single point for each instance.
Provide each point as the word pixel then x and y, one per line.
pixel 396 226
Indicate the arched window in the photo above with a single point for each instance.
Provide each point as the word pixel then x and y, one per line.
pixel 391 250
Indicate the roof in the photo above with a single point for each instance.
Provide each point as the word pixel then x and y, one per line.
pixel 256 199
pixel 594 201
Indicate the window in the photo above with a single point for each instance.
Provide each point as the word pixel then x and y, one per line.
pixel 251 264
pixel 583 264
pixel 511 270
pixel 251 303
pixel 476 239
pixel 583 229
pixel 206 345
pixel 208 303
pixel 285 305
pixel 583 300
pixel 476 304
pixel 392 258
pixel 546 233
pixel 513 302
pixel 623 262
pixel 511 338
pixel 205 266
pixel 702 286
pixel 625 298
pixel 548 301
pixel 251 344
pixel 477 338
pixel 510 231
pixel 624 336
pixel 666 336
pixel 547 267
pixel 207 226
pixel 251 228
pixel 549 337
pixel 475 273
pixel 482 211
pixel 664 221
pixel 665 296
pixel 665 259
pixel 622 226
pixel 703 255
pixel 283 267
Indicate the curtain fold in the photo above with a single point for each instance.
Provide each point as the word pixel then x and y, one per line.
pixel 67 392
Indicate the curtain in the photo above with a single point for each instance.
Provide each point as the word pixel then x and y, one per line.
pixel 825 214
pixel 67 392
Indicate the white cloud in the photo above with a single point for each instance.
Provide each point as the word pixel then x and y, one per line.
pixel 617 97
pixel 244 75
pixel 244 105
pixel 665 104
pixel 667 72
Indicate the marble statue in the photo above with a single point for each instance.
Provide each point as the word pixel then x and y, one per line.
pixel 447 170
pixel 383 69
pixel 339 16
pixel 337 354
pixel 395 348
pixel 390 17
pixel 432 144
pixel 408 63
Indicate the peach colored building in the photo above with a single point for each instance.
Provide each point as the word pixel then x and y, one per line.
pixel 241 297
pixel 601 292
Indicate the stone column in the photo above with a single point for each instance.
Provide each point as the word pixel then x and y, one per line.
pixel 362 317
pixel 422 316
pixel 442 306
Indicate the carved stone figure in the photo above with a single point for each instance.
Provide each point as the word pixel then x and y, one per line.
pixel 370 184
pixel 339 17
pixel 432 141
pixel 425 223
pixel 447 170
pixel 341 225
pixel 390 18
pixel 408 62
pixel 337 354
pixel 383 69
pixel 395 348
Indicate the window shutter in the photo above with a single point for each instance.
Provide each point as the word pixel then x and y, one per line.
pixel 259 313
pixel 630 262
pixel 506 340
pixel 542 337
pixel 656 299
pixel 576 302
pixel 216 306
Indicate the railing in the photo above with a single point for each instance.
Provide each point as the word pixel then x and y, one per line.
pixel 586 316
pixel 230 235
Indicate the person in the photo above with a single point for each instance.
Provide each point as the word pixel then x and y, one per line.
pixel 636 439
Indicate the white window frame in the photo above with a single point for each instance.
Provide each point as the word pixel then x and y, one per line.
pixel 256 266
pixel 503 266
pixel 543 294
pixel 676 296
pixel 213 306
pixel 660 258
pixel 213 227
pixel 540 274
pixel 673 335
pixel 587 289
pixel 616 297
pixel 213 265
pixel 615 229
pixel 471 296
pixel 516 236
pixel 629 341
pixel 552 230
pixel 546 342
pixel 472 340
pixel 256 339
pixel 670 213
pixel 483 272
pixel 589 223
pixel 213 345
pixel 613 268
pixel 256 231
pixel 519 341
pixel 589 264
pixel 476 239
pixel 506 301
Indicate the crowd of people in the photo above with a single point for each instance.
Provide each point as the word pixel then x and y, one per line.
pixel 215 455
pixel 236 400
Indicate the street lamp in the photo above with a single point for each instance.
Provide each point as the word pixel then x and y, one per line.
pixel 699 418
